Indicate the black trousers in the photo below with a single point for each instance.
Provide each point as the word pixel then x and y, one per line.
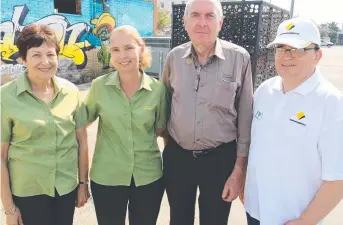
pixel 184 173
pixel 252 221
pixel 46 210
pixel 143 203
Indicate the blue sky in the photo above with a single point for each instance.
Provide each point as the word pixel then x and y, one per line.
pixel 319 10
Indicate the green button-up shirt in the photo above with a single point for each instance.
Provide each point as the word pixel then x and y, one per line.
pixel 126 141
pixel 43 150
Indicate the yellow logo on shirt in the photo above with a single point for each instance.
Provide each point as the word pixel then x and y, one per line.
pixel 259 115
pixel 300 115
pixel 147 107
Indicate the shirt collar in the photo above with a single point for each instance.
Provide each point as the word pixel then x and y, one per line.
pixel 145 82
pixel 305 87
pixel 23 84
pixel 218 51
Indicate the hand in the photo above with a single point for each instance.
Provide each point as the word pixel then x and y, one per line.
pixel 14 219
pixel 233 186
pixel 241 195
pixel 82 195
pixel 297 222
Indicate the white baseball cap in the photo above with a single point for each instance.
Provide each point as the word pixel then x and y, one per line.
pixel 297 32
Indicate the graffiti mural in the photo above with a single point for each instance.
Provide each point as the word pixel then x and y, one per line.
pixel 69 36
pixel 9 71
pixel 103 28
pixel 83 38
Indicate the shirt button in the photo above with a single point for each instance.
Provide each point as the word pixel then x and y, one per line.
pixel 129 138
pixel 53 143
pixel 198 139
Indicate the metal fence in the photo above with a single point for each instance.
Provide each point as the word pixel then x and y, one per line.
pixel 160 46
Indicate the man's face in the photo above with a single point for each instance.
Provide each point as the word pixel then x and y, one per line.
pixel 288 66
pixel 203 22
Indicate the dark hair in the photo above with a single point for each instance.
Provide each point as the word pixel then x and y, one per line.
pixel 35 35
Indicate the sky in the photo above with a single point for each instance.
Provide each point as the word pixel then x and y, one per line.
pixel 320 11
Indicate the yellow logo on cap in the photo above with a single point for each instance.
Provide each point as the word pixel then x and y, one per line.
pixel 290 26
pixel 308 43
pixel 300 115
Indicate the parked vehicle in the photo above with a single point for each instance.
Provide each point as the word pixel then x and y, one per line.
pixel 326 43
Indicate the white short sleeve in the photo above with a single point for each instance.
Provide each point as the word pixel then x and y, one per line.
pixel 330 143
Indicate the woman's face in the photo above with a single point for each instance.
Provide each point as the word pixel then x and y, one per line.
pixel 41 62
pixel 125 52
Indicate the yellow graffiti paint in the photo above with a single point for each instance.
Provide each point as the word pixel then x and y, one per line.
pixel 75 52
pixel 105 19
pixel 8 49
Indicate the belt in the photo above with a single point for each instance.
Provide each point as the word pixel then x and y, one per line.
pixel 202 152
pixel 197 153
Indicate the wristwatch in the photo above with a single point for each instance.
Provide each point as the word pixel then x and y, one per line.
pixel 84 182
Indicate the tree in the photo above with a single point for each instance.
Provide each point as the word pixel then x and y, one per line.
pixel 329 30
pixel 163 20
pixel 324 30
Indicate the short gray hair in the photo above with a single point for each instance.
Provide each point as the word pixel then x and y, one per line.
pixel 217 5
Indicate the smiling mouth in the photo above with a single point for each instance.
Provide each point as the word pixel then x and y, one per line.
pixel 288 65
pixel 44 69
pixel 124 63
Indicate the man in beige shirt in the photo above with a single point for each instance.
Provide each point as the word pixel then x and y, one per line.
pixel 210 89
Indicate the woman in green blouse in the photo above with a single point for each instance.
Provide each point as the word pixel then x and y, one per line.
pixel 43 138
pixel 131 107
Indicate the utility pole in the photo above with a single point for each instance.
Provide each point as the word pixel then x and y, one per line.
pixel 292 8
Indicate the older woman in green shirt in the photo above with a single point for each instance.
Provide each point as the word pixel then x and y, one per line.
pixel 43 138
pixel 131 107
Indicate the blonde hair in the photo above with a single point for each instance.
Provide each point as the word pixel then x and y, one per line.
pixel 146 58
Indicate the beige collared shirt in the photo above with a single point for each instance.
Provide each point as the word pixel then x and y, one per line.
pixel 211 104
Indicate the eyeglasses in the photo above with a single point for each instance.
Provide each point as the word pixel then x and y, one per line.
pixel 197 79
pixel 196 83
pixel 295 52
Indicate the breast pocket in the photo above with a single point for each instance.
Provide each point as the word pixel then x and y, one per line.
pixel 146 116
pixel 299 129
pixel 224 94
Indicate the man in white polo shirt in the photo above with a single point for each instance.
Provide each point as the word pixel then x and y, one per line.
pixel 295 167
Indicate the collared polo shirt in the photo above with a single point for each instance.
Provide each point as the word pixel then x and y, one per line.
pixel 296 144
pixel 211 104
pixel 126 143
pixel 43 150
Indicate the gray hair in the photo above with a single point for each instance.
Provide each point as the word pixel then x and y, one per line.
pixel 216 3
